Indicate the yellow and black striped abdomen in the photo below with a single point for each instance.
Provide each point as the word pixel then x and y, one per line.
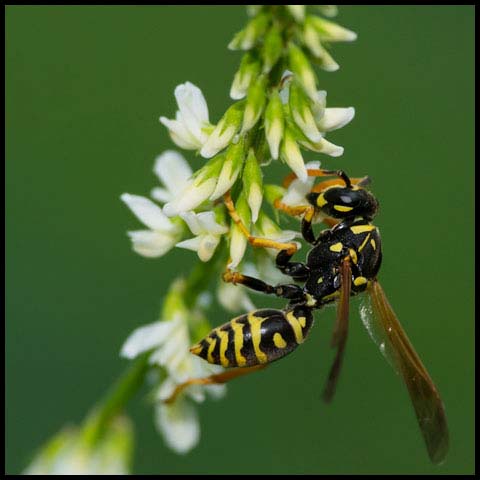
pixel 261 336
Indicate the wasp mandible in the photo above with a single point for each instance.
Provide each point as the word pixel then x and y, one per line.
pixel 344 261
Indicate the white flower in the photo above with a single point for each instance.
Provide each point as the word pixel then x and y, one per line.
pixel 170 341
pixel 163 233
pixel 174 172
pixel 191 126
pixel 207 234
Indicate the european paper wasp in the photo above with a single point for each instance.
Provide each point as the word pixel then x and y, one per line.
pixel 344 261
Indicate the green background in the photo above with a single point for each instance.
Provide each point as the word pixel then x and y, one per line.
pixel 84 89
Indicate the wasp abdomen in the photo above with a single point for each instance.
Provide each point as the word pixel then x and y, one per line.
pixel 261 336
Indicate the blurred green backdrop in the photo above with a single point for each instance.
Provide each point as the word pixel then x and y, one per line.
pixel 84 89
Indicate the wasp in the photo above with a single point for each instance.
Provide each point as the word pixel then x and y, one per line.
pixel 344 260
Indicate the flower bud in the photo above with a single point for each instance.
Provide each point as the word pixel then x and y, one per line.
pixel 252 183
pixel 312 40
pixel 255 103
pixel 301 113
pixel 291 155
pixel 226 129
pixel 297 12
pixel 238 240
pixel 230 169
pixel 246 38
pixel 274 123
pixel 198 190
pixel 246 74
pixel 272 48
pixel 330 31
pixel 300 66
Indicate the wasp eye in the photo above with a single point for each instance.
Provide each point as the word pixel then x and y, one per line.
pixel 345 199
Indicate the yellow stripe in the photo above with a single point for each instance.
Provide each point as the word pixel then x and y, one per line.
pixel 212 342
pixel 321 200
pixel 356 229
pixel 196 349
pixel 337 247
pixel 295 324
pixel 373 244
pixel 279 341
pixel 223 335
pixel 362 246
pixel 353 255
pixel 342 208
pixel 255 323
pixel 238 342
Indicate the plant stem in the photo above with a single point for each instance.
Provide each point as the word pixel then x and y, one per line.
pixel 132 379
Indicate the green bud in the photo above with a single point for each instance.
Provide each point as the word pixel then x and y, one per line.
pixel 225 130
pixel 300 66
pixel 238 241
pixel 210 170
pixel 230 169
pixel 256 98
pixel 245 39
pixel 312 41
pixel 291 155
pixel 246 74
pixel 252 184
pixel 272 48
pixel 329 31
pixel 301 113
pixel 274 123
pixel 297 12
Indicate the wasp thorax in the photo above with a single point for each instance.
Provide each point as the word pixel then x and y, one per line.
pixel 344 202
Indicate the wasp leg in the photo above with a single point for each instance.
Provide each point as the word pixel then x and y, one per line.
pixel 318 172
pixel 297 270
pixel 289 291
pixel 214 379
pixel 256 241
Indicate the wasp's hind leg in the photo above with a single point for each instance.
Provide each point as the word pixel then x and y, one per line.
pixel 215 379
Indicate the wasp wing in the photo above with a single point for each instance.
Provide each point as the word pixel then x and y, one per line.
pixel 340 333
pixel 386 330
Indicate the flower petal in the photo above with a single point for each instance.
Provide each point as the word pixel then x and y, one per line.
pixel 193 222
pixel 145 338
pixel 207 247
pixel 179 133
pixel 179 425
pixel 190 244
pixel 190 99
pixel 148 212
pixel 172 170
pixel 160 194
pixel 151 244
pixel 334 118
pixel 209 225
